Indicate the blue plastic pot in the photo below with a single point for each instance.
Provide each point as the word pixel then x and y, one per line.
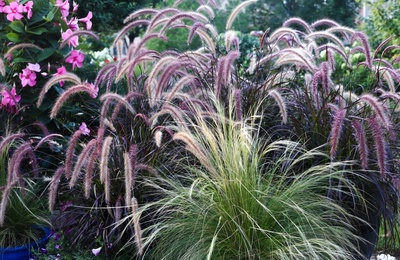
pixel 24 252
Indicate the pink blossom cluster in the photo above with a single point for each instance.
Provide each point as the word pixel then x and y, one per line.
pixel 76 57
pixel 28 76
pixel 15 10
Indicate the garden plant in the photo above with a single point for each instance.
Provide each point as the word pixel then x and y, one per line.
pixel 275 144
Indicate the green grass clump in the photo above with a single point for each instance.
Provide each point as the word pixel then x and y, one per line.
pixel 244 199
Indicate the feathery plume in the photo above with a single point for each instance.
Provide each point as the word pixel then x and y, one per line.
pixel 127 28
pixel 324 22
pixel 238 104
pixel 68 76
pixel 105 152
pixel 70 153
pixel 378 108
pixel 229 38
pixel 379 144
pixel 9 139
pixel 298 21
pixel 2 67
pixel 179 17
pixel 364 42
pixel 141 12
pixel 78 33
pixel 119 99
pixel 158 138
pixel 206 9
pixel 326 35
pixel 45 139
pixel 67 94
pixel 136 226
pixel 161 14
pixel 362 143
pixel 196 26
pixel 281 103
pixel 337 125
pixel 4 201
pixel 128 177
pixel 82 159
pixel 14 171
pixel 54 187
pixel 236 11
pixel 89 171
pixel 21 46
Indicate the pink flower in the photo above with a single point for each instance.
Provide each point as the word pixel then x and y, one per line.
pixel 61 71
pixel 73 24
pixel 74 7
pixel 64 7
pixel 72 40
pixel 14 11
pixel 34 67
pixel 96 251
pixel 75 58
pixel 87 21
pixel 28 9
pixel 27 77
pixel 10 99
pixel 94 88
pixel 2 4
pixel 84 129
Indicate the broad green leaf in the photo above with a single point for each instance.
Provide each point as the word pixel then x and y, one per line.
pixel 21 59
pixel 37 31
pixel 13 37
pixel 45 54
pixel 17 26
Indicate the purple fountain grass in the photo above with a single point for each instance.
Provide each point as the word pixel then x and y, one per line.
pixel 21 46
pixel 82 160
pixel 89 170
pixel 70 153
pixel 140 12
pixel 67 94
pixel 57 79
pixel 2 68
pixel 178 17
pixel 119 99
pixel 297 21
pixel 361 142
pixel 53 187
pixel 106 76
pixel 4 200
pixel 161 14
pixel 128 173
pixel 277 35
pixel 297 56
pixel 238 104
pixel 231 39
pixel 281 103
pixel 128 97
pixel 236 11
pixel 47 139
pixel 136 226
pixel 378 108
pixel 7 140
pixel 207 10
pixel 326 35
pixel 365 44
pixel 14 168
pixel 128 28
pixel 196 26
pixel 105 152
pixel 324 22
pixel 379 144
pixel 336 131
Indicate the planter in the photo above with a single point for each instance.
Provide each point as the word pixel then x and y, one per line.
pixel 23 252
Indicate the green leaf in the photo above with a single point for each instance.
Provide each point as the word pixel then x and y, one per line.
pixel 17 26
pixel 38 31
pixel 21 59
pixel 11 36
pixel 40 11
pixel 45 54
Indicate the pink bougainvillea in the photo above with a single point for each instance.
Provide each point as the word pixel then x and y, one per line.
pixel 9 99
pixel 14 11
